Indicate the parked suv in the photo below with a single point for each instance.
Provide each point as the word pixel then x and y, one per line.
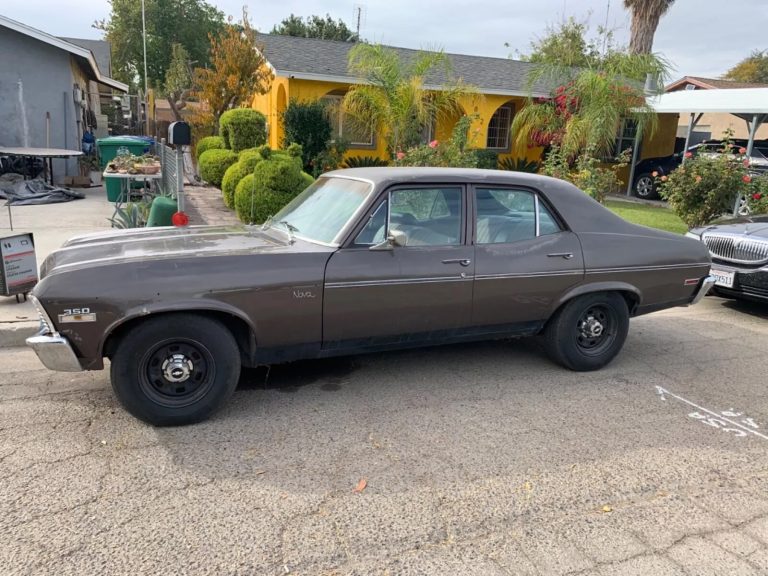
pixel 644 185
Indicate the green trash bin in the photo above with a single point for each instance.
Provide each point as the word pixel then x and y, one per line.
pixel 108 148
pixel 161 212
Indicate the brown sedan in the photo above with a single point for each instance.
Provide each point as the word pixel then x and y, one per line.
pixel 363 260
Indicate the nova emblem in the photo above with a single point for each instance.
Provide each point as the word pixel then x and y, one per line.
pixel 301 294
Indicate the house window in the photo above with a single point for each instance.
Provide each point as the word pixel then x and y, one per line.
pixel 343 126
pixel 626 137
pixel 498 129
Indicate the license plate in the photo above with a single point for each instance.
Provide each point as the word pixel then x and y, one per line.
pixel 723 278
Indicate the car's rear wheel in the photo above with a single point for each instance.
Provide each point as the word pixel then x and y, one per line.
pixel 588 331
pixel 176 369
pixel 645 187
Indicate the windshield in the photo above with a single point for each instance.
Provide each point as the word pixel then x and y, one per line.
pixel 321 211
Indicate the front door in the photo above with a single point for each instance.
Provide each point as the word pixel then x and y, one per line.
pixel 525 259
pixel 414 293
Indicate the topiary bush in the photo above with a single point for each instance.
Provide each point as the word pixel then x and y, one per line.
pixel 231 179
pixel 209 143
pixel 243 128
pixel 275 181
pixel 308 124
pixel 214 163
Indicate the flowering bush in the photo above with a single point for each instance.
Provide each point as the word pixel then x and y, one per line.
pixel 585 171
pixel 448 153
pixel 706 186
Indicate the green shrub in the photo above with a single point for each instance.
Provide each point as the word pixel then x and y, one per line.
pixel 249 158
pixel 451 153
pixel 486 158
pixel 307 124
pixel 231 179
pixel 363 162
pixel 243 128
pixel 214 163
pixel 279 175
pixel 209 143
pixel 254 202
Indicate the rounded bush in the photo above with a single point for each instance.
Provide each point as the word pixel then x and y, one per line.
pixel 214 163
pixel 231 179
pixel 279 175
pixel 249 158
pixel 243 128
pixel 254 202
pixel 209 143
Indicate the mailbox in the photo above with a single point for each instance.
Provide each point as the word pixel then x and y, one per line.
pixel 18 272
pixel 179 134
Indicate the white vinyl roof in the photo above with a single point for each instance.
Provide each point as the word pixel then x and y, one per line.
pixel 73 49
pixel 743 102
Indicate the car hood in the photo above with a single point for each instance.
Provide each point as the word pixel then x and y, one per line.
pixel 160 243
pixel 755 226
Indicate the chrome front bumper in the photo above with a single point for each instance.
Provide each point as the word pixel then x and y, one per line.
pixel 703 289
pixel 55 352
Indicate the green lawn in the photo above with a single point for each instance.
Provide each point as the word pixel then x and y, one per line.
pixel 647 215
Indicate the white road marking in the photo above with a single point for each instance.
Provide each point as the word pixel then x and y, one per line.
pixel 718 418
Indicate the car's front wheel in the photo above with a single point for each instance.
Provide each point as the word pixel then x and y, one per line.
pixel 588 331
pixel 175 369
pixel 645 187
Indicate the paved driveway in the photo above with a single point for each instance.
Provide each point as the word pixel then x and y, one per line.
pixel 483 459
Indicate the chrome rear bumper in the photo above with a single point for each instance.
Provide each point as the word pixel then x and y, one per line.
pixel 703 289
pixel 55 352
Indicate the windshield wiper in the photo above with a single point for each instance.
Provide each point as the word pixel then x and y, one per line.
pixel 291 229
pixel 267 223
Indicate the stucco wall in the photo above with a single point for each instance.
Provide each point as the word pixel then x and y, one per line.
pixel 715 124
pixel 46 80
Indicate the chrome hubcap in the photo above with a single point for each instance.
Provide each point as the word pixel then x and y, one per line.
pixel 644 186
pixel 177 368
pixel 591 327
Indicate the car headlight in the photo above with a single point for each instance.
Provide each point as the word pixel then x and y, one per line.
pixel 692 235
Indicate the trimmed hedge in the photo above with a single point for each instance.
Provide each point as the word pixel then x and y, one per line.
pixel 243 128
pixel 214 163
pixel 209 143
pixel 231 179
pixel 279 175
pixel 255 203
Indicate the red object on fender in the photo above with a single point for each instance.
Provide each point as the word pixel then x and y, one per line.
pixel 180 219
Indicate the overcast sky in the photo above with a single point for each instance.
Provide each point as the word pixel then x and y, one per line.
pixel 699 37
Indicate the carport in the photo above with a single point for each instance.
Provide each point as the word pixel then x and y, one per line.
pixel 749 104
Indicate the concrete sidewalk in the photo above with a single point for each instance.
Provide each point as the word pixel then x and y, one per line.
pixel 52 225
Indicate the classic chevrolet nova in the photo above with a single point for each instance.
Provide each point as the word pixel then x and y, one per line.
pixel 363 260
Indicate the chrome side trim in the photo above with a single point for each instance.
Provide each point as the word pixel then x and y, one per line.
pixel 55 352
pixel 702 291
pixel 645 268
pixel 398 281
pixel 529 274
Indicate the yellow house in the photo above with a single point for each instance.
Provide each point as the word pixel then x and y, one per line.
pixel 309 69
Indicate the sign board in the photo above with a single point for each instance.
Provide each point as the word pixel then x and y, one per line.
pixel 18 272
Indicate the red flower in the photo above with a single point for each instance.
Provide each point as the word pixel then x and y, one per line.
pixel 757 196
pixel 689 154
pixel 742 150
pixel 746 162
pixel 746 178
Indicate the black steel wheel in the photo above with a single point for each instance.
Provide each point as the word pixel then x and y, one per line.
pixel 588 332
pixel 645 187
pixel 175 369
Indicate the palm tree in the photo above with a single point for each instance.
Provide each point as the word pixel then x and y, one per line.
pixel 645 19
pixel 589 105
pixel 392 97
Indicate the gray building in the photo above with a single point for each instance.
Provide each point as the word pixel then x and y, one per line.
pixel 41 77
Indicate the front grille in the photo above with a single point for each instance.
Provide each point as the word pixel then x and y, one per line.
pixel 737 248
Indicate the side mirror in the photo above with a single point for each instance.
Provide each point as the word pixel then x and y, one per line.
pixel 396 238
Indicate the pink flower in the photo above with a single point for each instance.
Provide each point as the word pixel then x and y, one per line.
pixel 698 179
pixel 742 150
pixel 689 154
pixel 400 155
pixel 433 144
pixel 746 162
pixel 663 178
pixel 654 174
pixel 746 178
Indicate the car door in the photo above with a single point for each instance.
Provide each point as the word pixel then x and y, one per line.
pixel 525 258
pixel 377 294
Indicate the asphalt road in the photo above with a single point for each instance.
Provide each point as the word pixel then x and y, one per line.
pixel 480 459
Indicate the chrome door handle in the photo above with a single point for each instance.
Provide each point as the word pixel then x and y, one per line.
pixel 566 255
pixel 462 261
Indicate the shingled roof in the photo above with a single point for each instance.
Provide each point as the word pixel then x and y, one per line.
pixel 326 60
pixel 711 83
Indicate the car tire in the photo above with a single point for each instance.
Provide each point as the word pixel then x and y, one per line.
pixel 587 332
pixel 645 187
pixel 175 369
